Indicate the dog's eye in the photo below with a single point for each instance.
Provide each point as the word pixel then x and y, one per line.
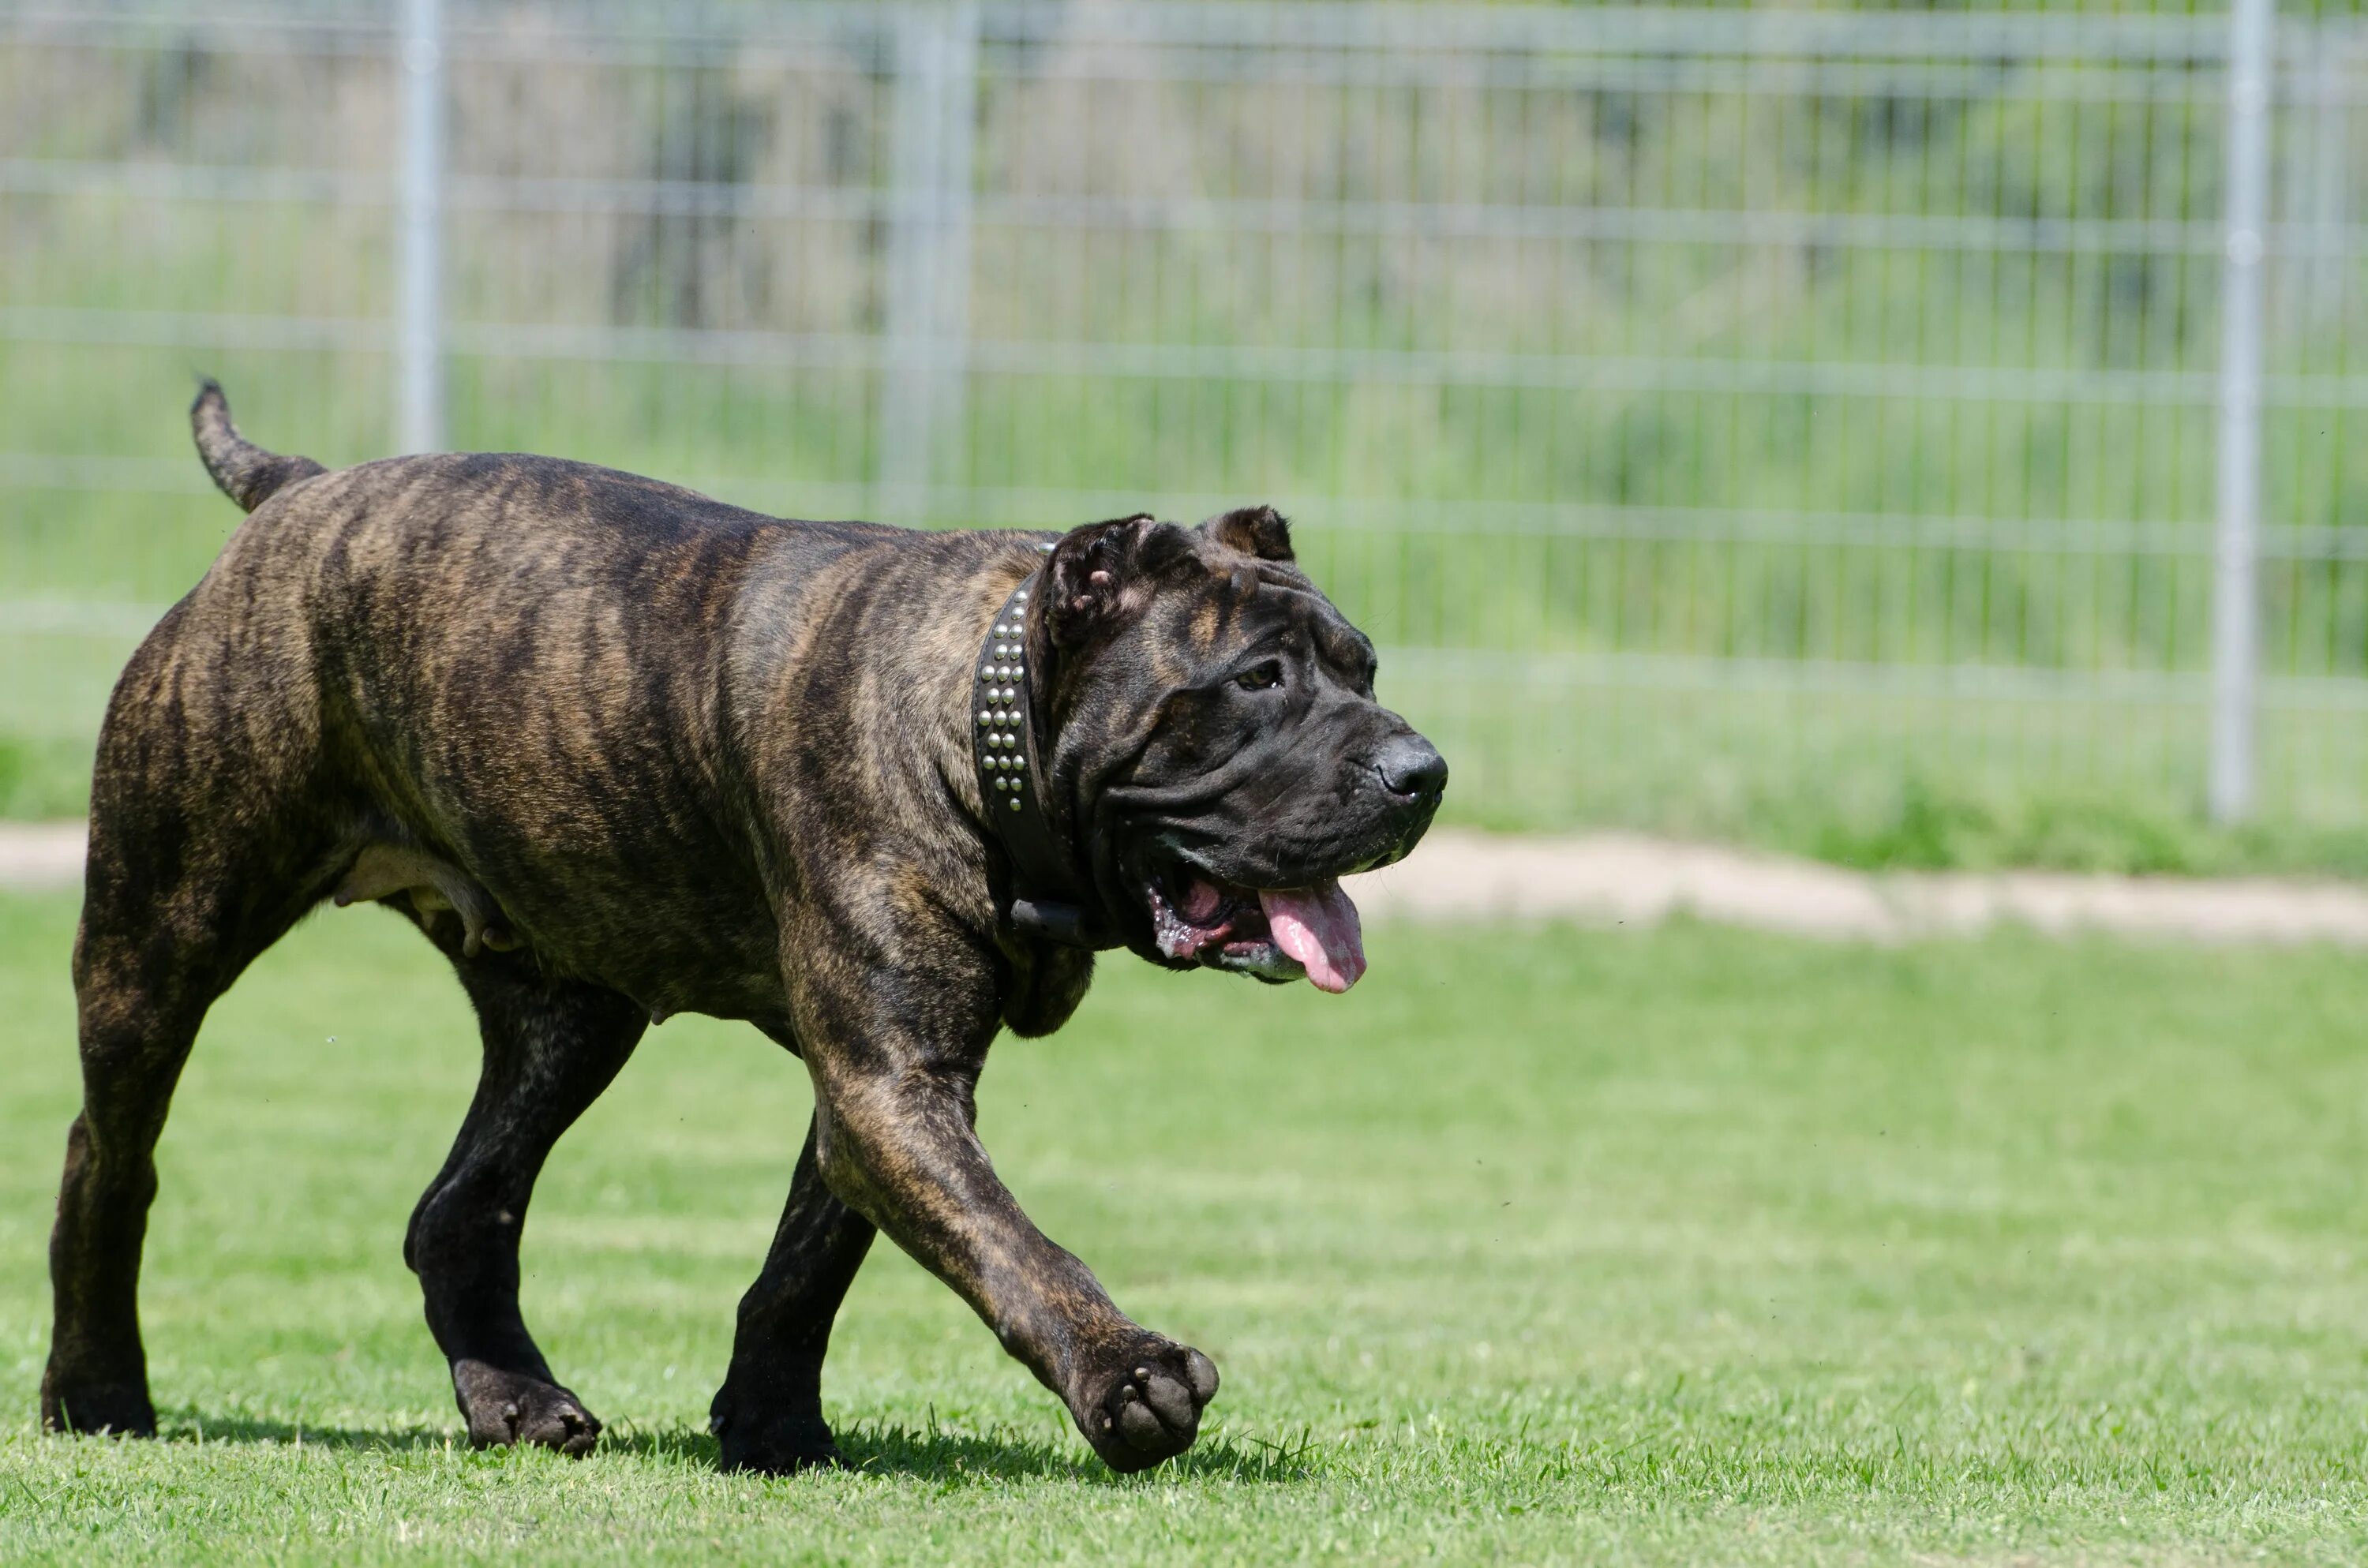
pixel 1258 680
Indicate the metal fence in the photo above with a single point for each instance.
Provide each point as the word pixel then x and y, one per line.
pixel 1720 417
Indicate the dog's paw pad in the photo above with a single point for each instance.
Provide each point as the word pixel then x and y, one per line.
pixel 1150 1410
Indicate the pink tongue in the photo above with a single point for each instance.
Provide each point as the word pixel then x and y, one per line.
pixel 1318 927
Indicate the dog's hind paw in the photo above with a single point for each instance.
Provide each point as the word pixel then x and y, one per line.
pixel 505 1408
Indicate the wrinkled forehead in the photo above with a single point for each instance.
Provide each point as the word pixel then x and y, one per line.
pixel 1236 611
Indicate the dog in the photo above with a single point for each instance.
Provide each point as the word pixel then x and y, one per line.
pixel 621 751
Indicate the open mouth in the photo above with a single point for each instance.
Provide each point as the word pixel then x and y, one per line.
pixel 1277 933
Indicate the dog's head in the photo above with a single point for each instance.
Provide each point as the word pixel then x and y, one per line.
pixel 1218 747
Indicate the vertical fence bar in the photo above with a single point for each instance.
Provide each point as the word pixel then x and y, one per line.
pixel 957 131
pixel 928 269
pixel 419 353
pixel 2235 599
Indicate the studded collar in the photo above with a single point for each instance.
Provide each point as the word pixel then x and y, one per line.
pixel 1008 755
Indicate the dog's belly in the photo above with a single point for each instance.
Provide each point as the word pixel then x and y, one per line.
pixel 577 823
pixel 670 948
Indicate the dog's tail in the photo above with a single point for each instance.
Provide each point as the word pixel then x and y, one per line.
pixel 246 473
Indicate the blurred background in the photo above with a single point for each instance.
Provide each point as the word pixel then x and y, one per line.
pixel 1905 436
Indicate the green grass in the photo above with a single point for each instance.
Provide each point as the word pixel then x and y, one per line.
pixel 1542 1246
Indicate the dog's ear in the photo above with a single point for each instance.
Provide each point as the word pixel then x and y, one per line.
pixel 1101 573
pixel 1254 530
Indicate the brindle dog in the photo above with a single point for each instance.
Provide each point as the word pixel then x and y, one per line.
pixel 621 751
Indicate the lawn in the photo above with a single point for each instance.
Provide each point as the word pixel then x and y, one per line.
pixel 1560 1246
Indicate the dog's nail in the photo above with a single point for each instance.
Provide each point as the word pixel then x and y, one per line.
pixel 1107 1424
pixel 1128 1395
pixel 1143 1374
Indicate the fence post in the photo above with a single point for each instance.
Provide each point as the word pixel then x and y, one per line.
pixel 419 351
pixel 2235 599
pixel 922 389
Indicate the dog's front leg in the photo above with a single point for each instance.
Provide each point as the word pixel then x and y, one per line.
pixel 899 1145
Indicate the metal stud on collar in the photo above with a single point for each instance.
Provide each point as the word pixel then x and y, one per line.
pixel 1042 900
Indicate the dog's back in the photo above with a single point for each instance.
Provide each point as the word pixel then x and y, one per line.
pixel 514 667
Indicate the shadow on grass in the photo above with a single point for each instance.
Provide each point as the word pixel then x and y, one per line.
pixel 189 1427
pixel 931 1453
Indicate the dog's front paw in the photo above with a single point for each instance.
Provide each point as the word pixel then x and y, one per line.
pixel 783 1443
pixel 504 1408
pixel 1143 1403
pixel 118 1408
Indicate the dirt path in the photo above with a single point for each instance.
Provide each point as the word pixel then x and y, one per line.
pixel 1627 879
pixel 1623 878
pixel 40 854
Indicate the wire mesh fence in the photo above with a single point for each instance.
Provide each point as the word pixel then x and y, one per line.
pixel 1768 422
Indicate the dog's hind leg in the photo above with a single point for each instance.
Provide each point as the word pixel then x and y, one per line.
pixel 195 869
pixel 551 1046
pixel 768 1416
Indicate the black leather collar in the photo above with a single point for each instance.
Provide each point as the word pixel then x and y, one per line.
pixel 1008 754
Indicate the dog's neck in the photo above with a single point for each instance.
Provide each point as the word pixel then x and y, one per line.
pixel 1008 750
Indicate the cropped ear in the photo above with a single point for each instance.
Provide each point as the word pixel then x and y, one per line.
pixel 1254 530
pixel 1101 573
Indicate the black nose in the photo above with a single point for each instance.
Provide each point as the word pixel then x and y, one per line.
pixel 1411 766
